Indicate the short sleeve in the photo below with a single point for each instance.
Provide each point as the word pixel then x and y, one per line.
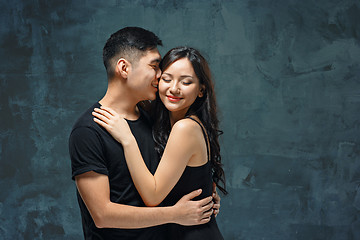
pixel 86 152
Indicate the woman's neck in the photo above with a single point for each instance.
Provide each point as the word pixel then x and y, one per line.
pixel 176 116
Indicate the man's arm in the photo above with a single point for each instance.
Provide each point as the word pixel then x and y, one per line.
pixel 95 191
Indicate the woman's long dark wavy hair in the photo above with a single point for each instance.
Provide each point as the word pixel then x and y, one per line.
pixel 203 107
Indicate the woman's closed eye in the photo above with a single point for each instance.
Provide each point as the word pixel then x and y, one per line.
pixel 186 83
pixel 167 80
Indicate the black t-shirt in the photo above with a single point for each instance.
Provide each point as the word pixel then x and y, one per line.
pixel 92 148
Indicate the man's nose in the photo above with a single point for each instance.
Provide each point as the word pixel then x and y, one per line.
pixel 158 73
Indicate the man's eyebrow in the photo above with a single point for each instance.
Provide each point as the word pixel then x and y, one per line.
pixel 157 60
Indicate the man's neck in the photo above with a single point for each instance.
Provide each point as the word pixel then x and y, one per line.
pixel 121 103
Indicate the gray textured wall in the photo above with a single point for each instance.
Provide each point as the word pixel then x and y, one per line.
pixel 288 85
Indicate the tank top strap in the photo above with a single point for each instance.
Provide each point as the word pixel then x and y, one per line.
pixel 205 136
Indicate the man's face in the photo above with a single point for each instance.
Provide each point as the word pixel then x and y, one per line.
pixel 144 75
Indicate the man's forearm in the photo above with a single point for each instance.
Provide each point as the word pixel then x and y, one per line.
pixel 94 190
pixel 129 217
pixel 184 212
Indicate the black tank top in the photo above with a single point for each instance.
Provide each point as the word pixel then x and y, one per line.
pixel 192 179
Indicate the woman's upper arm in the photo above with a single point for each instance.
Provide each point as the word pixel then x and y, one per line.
pixel 181 146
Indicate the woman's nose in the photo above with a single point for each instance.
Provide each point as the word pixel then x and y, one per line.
pixel 174 88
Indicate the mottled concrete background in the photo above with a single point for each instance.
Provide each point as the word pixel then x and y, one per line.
pixel 288 85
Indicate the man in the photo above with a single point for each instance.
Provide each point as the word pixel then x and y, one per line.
pixel 111 208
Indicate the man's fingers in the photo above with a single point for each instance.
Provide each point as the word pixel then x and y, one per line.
pixel 192 194
pixel 205 201
pixel 208 206
pixel 205 220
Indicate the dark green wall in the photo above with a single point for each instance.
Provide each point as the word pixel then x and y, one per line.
pixel 288 87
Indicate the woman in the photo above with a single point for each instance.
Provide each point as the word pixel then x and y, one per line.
pixel 186 123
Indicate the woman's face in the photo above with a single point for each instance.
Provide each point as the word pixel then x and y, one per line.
pixel 179 87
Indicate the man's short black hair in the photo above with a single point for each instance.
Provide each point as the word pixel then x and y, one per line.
pixel 129 43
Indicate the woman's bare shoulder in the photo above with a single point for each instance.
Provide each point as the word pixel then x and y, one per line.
pixel 186 124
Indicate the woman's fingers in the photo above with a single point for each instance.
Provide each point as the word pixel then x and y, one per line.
pixel 216 212
pixel 109 110
pixel 100 116
pixel 104 113
pixel 101 123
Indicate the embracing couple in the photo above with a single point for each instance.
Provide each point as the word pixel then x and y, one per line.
pixel 149 169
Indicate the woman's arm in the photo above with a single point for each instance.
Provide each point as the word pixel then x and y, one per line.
pixel 179 149
pixel 182 144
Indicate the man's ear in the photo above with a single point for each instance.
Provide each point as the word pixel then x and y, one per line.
pixel 123 67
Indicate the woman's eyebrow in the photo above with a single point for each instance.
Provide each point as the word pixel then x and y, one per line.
pixel 181 76
pixel 167 74
pixel 186 76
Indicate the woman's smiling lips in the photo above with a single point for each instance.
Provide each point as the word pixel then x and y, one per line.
pixel 173 98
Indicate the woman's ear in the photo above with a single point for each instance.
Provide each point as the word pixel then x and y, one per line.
pixel 123 67
pixel 202 91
